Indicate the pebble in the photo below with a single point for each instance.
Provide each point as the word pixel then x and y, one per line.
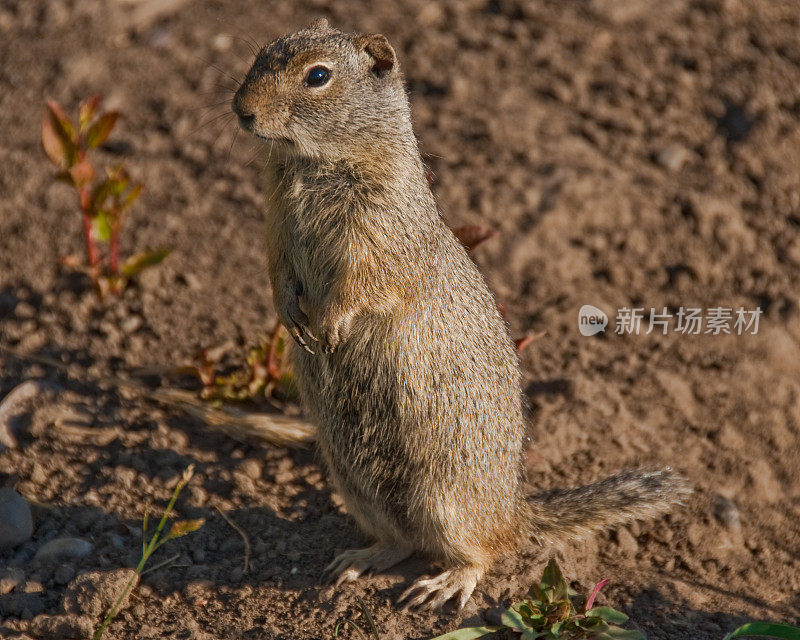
pixel 16 521
pixel 63 574
pixel 62 627
pixel 63 548
pixel 627 543
pixel 726 512
pixel 12 405
pixel 673 157
pixel 131 324
pixel 10 579
pixel 251 468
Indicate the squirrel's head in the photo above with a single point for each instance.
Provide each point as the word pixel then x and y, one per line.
pixel 323 93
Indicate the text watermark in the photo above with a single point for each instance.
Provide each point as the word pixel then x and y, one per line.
pixel 684 320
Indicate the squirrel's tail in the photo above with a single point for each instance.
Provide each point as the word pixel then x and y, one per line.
pixel 571 513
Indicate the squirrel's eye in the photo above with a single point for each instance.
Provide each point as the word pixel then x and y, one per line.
pixel 318 76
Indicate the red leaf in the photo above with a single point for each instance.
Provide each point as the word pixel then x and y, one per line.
pixel 57 139
pixel 100 130
pixel 524 341
pixel 472 236
pixel 594 593
pixel 62 118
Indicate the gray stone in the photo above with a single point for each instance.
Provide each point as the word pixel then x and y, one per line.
pixel 16 521
pixel 63 549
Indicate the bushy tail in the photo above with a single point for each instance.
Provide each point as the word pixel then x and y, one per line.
pixel 561 514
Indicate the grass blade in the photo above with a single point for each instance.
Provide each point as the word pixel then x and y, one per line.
pixel 765 630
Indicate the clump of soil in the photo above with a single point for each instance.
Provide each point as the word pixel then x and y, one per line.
pixel 631 155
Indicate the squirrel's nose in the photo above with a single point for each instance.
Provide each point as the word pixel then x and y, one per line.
pixel 246 116
pixel 247 120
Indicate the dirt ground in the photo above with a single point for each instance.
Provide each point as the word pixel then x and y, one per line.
pixel 631 154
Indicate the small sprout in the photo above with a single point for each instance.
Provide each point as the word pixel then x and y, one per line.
pixel 103 202
pixel 178 529
pixel 267 372
pixel 521 343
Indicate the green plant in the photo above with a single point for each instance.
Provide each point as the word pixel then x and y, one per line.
pixel 553 611
pixel 373 630
pixel 266 373
pixel 178 529
pixel 103 202
pixel 765 630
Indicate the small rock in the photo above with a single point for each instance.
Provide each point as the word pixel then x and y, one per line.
pixel 251 468
pixel 92 593
pixel 131 324
pixel 63 549
pixel 14 404
pixel 726 512
pixel 61 627
pixel 16 521
pixel 25 311
pixel 21 605
pixel 63 574
pixel 492 616
pixel 10 579
pixel 627 543
pixel 673 157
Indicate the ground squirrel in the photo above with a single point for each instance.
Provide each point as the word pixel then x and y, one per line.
pixel 406 366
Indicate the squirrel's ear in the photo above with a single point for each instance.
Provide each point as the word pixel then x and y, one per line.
pixel 380 51
pixel 320 24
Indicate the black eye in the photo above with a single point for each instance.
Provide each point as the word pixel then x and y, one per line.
pixel 318 76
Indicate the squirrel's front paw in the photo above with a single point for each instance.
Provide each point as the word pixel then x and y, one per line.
pixel 332 331
pixel 296 322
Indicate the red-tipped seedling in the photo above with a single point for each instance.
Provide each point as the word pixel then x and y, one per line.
pixel 103 201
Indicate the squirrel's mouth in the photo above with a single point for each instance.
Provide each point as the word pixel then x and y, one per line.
pixel 274 139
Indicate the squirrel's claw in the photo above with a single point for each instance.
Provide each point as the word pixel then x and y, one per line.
pixel 432 593
pixel 297 332
pixel 349 565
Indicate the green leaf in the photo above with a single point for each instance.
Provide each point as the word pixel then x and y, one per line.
pixel 608 614
pixel 514 620
pixel 101 226
pixel 468 633
pixel 86 111
pixel 141 261
pixel 133 194
pixel 553 581
pixel 100 130
pixel 765 630
pixel 183 527
pixel 615 633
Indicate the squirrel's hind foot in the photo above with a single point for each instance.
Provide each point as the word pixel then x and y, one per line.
pixel 432 593
pixel 349 565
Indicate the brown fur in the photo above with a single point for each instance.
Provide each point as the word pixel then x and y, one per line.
pixel 413 382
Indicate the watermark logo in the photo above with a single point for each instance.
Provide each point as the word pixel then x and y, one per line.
pixel 684 320
pixel 591 320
